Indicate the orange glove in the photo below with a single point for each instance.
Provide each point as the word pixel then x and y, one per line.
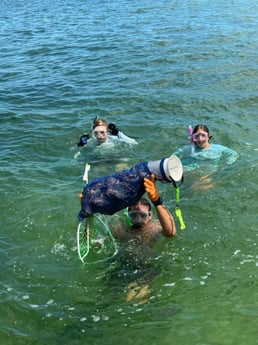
pixel 151 188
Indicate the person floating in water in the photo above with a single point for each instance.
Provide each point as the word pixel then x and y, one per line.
pixel 142 229
pixel 104 133
pixel 106 145
pixel 202 154
pixel 203 158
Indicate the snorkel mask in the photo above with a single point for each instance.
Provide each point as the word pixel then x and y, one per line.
pixel 138 217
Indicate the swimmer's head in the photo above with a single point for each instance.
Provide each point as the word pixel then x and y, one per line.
pixel 140 213
pixel 100 130
pixel 201 136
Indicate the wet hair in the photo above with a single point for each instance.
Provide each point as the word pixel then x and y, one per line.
pixel 142 201
pixel 99 122
pixel 204 128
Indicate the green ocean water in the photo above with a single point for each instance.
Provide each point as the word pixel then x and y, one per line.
pixel 153 68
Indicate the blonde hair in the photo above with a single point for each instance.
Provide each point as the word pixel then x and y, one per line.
pixel 100 122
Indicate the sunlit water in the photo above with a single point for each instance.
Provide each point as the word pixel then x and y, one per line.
pixel 153 68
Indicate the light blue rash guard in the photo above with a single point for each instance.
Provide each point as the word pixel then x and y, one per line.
pixel 209 160
pixel 114 139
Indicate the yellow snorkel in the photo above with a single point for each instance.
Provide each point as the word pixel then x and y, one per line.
pixel 178 210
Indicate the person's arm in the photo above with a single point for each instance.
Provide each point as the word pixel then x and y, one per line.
pixel 126 139
pixel 165 217
pixel 120 135
pixel 231 155
pixel 166 220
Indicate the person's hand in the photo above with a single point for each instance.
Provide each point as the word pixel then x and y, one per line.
pixel 113 129
pixel 151 189
pixel 83 139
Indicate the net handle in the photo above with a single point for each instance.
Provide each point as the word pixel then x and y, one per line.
pixel 87 225
pixel 87 233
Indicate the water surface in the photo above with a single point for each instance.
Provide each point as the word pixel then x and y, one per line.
pixel 153 68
